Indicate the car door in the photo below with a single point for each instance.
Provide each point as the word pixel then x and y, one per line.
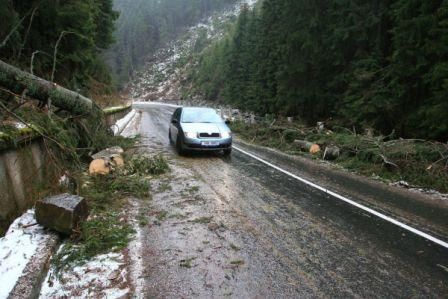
pixel 175 123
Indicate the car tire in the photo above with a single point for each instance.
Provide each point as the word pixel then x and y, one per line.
pixel 169 136
pixel 179 147
pixel 227 152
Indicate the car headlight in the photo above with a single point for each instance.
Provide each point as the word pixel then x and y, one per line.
pixel 191 134
pixel 226 134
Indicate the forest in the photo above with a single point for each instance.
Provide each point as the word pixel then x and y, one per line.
pixel 60 41
pixel 146 25
pixel 380 64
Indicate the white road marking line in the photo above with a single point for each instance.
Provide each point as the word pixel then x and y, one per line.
pixel 349 201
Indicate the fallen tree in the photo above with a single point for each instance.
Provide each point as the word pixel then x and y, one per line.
pixel 23 83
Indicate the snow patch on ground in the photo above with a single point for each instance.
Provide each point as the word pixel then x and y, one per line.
pixel 21 242
pixel 135 248
pixel 432 193
pixel 104 276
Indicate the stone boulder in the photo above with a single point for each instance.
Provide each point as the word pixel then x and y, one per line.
pixel 62 213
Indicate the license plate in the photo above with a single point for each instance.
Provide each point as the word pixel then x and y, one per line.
pixel 209 143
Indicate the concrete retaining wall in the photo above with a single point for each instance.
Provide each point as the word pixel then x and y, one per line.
pixel 22 170
pixel 113 117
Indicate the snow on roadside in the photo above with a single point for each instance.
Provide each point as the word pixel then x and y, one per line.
pixel 21 242
pixel 104 276
pixel 432 193
pixel 119 126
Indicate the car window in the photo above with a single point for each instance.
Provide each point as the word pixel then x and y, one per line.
pixel 200 116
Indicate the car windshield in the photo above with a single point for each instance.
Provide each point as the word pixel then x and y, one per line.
pixel 200 115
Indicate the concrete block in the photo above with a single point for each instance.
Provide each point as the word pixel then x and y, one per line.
pixel 62 213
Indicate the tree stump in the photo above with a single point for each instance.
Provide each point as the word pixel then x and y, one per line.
pixel 331 153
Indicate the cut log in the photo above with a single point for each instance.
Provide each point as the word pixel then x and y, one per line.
pixel 99 167
pixel 308 146
pixel 331 153
pixel 17 81
pixel 108 152
pixel 303 144
pixel 315 149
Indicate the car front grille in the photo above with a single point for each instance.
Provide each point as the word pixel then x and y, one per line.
pixel 209 135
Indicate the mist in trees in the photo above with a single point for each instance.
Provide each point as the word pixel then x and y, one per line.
pixel 146 25
pixel 59 40
pixel 380 63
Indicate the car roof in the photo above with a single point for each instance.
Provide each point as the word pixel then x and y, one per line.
pixel 197 108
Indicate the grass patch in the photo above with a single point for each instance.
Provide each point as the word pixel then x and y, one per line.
pixel 162 215
pixel 164 186
pixel 190 190
pixel 202 220
pixel 147 165
pixel 110 191
pixel 176 216
pixel 142 220
pixel 187 263
pixel 100 234
pixel 234 247
pixel 193 189
pixel 237 262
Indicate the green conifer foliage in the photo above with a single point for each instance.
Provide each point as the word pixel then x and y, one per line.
pixel 379 63
pixel 82 27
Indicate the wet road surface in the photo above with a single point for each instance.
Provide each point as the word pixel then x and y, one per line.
pixel 234 227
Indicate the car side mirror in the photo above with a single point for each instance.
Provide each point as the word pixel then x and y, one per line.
pixel 227 121
pixel 174 121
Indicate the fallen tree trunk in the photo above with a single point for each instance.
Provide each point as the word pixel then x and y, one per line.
pixel 21 82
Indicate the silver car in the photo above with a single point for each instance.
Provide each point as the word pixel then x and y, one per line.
pixel 199 129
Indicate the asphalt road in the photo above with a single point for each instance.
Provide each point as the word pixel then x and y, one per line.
pixel 252 231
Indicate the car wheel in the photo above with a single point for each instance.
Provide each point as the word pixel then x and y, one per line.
pixel 179 147
pixel 227 152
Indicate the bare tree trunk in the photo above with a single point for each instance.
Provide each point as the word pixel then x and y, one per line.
pixel 17 81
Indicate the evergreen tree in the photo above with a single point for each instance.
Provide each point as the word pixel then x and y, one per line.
pixel 379 63
pixel 73 31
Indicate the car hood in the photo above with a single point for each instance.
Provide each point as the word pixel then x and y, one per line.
pixel 205 127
